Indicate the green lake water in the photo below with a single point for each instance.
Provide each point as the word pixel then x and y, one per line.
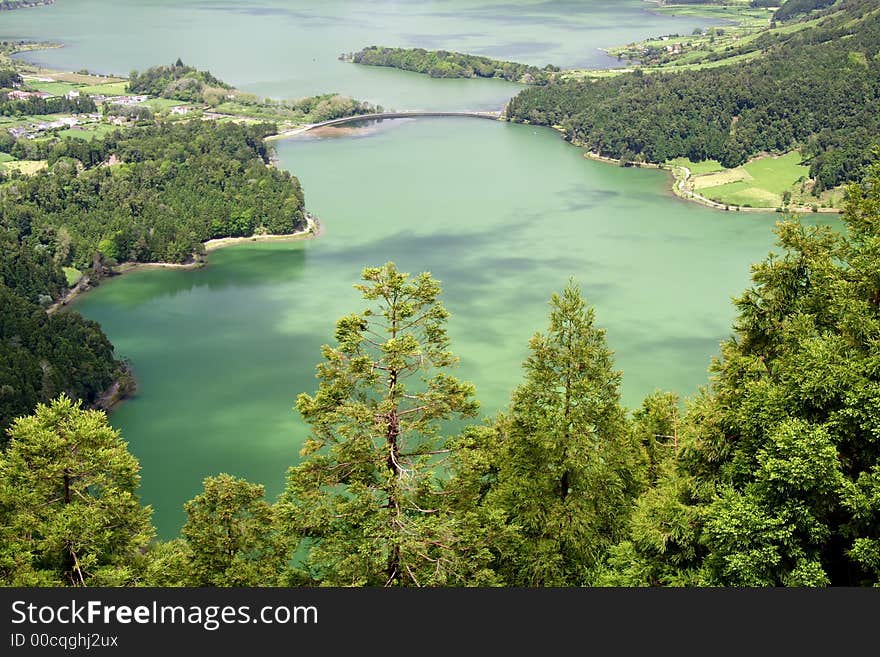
pixel 502 214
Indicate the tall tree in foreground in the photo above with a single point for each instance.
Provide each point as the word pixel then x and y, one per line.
pixel 776 482
pixel 566 467
pixel 69 512
pixel 365 501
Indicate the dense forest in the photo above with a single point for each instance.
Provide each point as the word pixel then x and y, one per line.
pixel 445 64
pixel 44 355
pixel 770 476
pixel 793 8
pixel 152 193
pixel 814 89
pixel 38 106
pixel 176 81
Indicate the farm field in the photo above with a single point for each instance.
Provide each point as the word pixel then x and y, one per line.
pixel 54 88
pixel 759 183
pixel 88 131
pixel 162 104
pixel 696 168
pixel 108 89
pixel 26 167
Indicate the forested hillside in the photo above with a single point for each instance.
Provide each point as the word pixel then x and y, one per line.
pixel 153 193
pixel 793 8
pixel 816 89
pixel 176 81
pixel 42 356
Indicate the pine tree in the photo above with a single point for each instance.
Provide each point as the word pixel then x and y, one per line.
pixel 776 482
pixel 365 500
pixel 566 466
pixel 655 425
pixel 68 500
pixel 230 538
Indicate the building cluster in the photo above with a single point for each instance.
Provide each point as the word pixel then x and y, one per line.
pixel 112 113
pixel 34 129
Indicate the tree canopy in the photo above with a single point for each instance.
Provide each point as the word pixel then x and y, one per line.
pixel 776 478
pixel 560 465
pixel 69 512
pixel 365 501
pixel 176 81
pixel 446 64
pixel 812 89
pixel 171 187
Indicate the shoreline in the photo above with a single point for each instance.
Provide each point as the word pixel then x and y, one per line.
pixel 125 386
pixel 680 175
pixel 314 229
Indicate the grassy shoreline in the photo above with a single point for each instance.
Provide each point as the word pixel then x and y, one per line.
pixel 680 175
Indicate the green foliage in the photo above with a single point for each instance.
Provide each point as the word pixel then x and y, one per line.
pixel 53 105
pixel 69 512
pixel 178 185
pixel 9 78
pixel 42 356
pixel 445 64
pixel 663 547
pixel 655 427
pixel 312 109
pixel 176 81
pixel 777 472
pixel 29 271
pixel 230 539
pixel 793 8
pixel 803 91
pixel 566 467
pixel 365 502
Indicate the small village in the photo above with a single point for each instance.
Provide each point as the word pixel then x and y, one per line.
pixel 113 109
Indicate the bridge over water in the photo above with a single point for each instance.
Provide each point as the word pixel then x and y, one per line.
pixel 492 116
